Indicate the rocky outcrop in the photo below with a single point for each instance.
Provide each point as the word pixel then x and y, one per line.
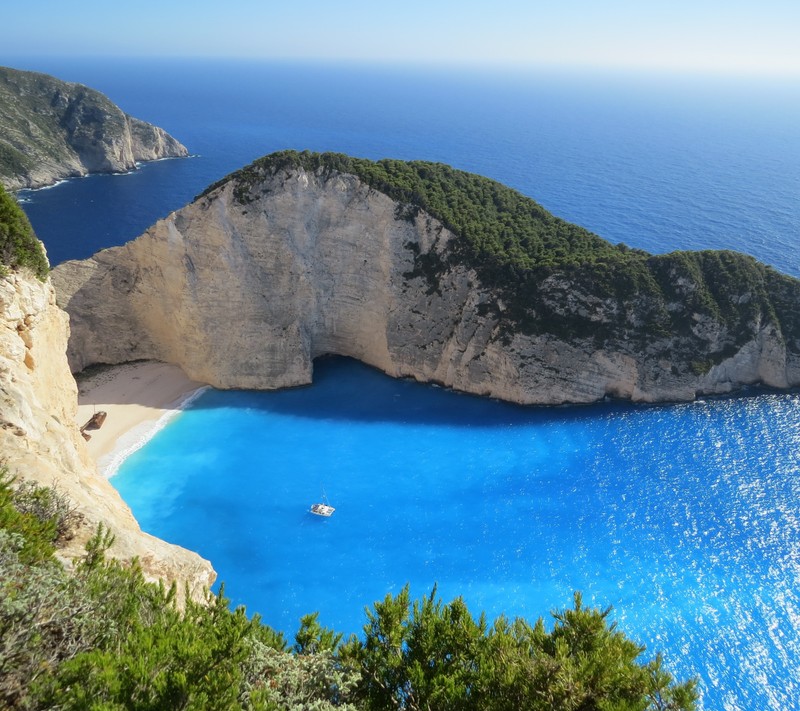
pixel 51 129
pixel 247 285
pixel 40 441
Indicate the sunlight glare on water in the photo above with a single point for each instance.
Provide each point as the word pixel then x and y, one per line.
pixel 682 517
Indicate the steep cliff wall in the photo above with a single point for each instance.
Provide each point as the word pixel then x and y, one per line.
pixel 39 439
pixel 281 263
pixel 51 129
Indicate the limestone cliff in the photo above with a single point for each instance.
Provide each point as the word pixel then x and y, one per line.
pixel 294 258
pixel 51 129
pixel 39 439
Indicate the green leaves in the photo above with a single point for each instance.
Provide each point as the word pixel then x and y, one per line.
pixel 432 655
pixel 104 638
pixel 19 247
pixel 155 656
pixel 663 693
pixel 38 530
pixel 313 637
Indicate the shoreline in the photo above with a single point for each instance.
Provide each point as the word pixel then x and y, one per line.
pixel 139 398
pixel 138 165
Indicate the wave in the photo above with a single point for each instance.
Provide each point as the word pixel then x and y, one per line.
pixel 139 436
pixel 25 191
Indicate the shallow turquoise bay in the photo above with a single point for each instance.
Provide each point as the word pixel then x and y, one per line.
pixel 682 517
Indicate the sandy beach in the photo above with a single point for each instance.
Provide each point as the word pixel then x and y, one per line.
pixel 139 398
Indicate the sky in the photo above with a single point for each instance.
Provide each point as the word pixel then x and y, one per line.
pixel 751 37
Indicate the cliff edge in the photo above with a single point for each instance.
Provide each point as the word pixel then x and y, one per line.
pixel 52 129
pixel 39 437
pixel 425 272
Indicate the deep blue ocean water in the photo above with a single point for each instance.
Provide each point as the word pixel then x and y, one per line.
pixel 684 518
pixel 657 162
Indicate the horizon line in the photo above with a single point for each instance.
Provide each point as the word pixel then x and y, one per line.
pixel 792 73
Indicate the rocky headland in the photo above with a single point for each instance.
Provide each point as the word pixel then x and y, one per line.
pixel 52 129
pixel 39 438
pixel 426 272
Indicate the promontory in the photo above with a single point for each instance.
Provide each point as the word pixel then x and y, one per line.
pixel 427 272
pixel 39 437
pixel 52 129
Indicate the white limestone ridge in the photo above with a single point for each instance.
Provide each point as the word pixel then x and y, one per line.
pixel 245 294
pixel 40 441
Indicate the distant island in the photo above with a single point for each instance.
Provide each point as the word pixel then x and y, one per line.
pixel 427 272
pixel 52 129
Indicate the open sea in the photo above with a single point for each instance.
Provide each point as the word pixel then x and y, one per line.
pixel 684 518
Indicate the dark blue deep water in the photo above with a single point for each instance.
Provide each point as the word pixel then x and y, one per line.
pixel 659 163
pixel 683 517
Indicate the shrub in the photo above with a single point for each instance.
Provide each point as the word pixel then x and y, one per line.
pixel 19 247
pixel 47 504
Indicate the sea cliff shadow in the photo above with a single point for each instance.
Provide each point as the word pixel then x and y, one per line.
pixel 344 389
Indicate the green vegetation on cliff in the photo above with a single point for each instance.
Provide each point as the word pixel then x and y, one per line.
pixel 52 129
pixel 101 637
pixel 557 278
pixel 19 246
pixel 498 224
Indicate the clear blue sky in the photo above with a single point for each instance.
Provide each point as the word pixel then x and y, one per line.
pixel 732 36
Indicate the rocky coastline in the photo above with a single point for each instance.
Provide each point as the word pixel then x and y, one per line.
pixel 40 439
pixel 51 130
pixel 247 285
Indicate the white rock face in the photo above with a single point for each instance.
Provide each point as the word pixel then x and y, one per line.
pixel 40 441
pixel 127 142
pixel 247 295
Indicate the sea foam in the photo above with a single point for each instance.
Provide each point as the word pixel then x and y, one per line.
pixel 138 436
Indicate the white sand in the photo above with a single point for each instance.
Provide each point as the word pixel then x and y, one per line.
pixel 139 399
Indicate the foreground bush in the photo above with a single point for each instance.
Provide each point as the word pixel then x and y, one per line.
pixel 431 655
pixel 104 638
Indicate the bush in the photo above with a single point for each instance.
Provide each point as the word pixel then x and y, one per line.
pixel 37 535
pixel 434 655
pixel 19 247
pixel 47 504
pixel 104 638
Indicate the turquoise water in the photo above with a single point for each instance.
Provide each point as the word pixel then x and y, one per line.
pixel 684 518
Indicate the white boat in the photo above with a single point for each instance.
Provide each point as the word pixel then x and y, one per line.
pixel 322 509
